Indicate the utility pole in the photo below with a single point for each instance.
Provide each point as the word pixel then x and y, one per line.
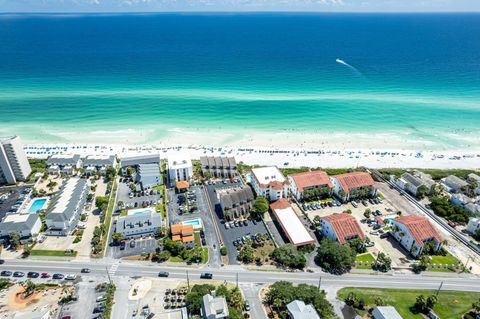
pixel 188 281
pixel 108 275
pixel 438 290
pixel 319 282
pixel 468 259
pixel 237 279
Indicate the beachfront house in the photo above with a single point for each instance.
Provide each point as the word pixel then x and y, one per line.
pixel 310 185
pixel 297 309
pixel 454 184
pixel 64 212
pixel 25 225
pixel 473 225
pixel 139 223
pixel 474 178
pixel 179 167
pixel 98 163
pixel 353 185
pixel 66 164
pixel 341 227
pixel 214 307
pixel 236 202
pixel 410 183
pixel 268 182
pixel 290 223
pixel 218 166
pixel 14 164
pixel 414 232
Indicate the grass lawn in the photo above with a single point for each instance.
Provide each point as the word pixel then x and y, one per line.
pixel 364 258
pixel 56 253
pixel 448 259
pixel 451 304
pixel 108 216
pixel 198 243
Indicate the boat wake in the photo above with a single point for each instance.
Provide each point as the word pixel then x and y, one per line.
pixel 340 61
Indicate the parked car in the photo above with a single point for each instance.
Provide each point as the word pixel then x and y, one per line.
pixel 227 225
pixel 245 223
pixel 132 244
pixel 18 274
pixel 44 275
pixel 204 242
pixel 70 277
pixel 122 245
pixel 2 261
pixel 58 276
pixel 163 274
pixel 247 305
pixel 5 273
pixel 100 298
pixel 354 204
pixel 370 244
pixel 33 274
pixel 98 309
pixel 206 275
pixel 385 235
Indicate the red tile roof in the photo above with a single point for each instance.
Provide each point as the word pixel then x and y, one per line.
pixel 355 180
pixel 420 228
pixel 311 179
pixel 379 220
pixel 345 226
pixel 276 185
pixel 282 203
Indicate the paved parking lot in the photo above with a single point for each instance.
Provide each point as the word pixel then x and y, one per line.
pixel 231 234
pixel 83 307
pixel 203 212
pixel 12 194
pixel 124 191
pixel 141 246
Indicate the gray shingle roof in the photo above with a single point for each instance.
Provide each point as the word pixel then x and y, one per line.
pixel 61 160
pixel 415 181
pixel 11 226
pixel 218 162
pixel 64 205
pixel 142 159
pixel 299 310
pixel 236 196
pixel 95 161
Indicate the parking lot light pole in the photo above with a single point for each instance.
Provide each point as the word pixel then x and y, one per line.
pixel 188 281
pixel 319 282
pixel 108 275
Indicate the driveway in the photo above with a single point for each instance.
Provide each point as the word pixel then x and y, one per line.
pixel 231 234
pixel 203 212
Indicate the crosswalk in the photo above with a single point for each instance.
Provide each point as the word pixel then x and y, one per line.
pixel 113 268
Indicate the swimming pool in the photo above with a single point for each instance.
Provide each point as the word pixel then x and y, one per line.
pixel 37 205
pixel 196 223
pixel 140 211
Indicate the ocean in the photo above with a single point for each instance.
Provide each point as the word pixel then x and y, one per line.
pixel 383 80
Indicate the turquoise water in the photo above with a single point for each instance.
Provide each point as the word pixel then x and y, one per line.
pixel 37 205
pixel 144 78
pixel 194 222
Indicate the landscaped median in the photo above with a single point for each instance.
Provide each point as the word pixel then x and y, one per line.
pixel 449 304
pixel 53 253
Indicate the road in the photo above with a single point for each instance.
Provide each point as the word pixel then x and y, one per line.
pixel 136 269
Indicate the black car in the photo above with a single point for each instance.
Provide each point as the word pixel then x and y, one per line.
pixel 98 309
pixel 206 275
pixel 85 270
pixel 245 223
pixel 122 245
pixel 33 274
pixel 58 276
pixel 163 274
pixel 2 261
pixel 204 242
pixel 5 273
pixel 18 274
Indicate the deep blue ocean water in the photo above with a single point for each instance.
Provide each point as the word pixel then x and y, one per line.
pixel 417 75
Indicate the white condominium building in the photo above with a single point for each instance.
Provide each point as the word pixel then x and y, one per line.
pixel 14 164
pixel 179 167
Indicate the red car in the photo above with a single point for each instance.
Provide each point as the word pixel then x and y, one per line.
pixel 44 275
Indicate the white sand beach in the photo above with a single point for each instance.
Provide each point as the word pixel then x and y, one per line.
pixel 323 156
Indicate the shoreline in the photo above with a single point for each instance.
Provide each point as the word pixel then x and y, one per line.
pixel 281 157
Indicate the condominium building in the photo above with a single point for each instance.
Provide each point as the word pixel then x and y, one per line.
pixel 24 225
pixel 139 223
pixel 311 184
pixel 236 202
pixel 354 185
pixel 99 163
pixel 219 166
pixel 14 164
pixel 67 206
pixel 341 227
pixel 268 182
pixel 64 164
pixel 179 167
